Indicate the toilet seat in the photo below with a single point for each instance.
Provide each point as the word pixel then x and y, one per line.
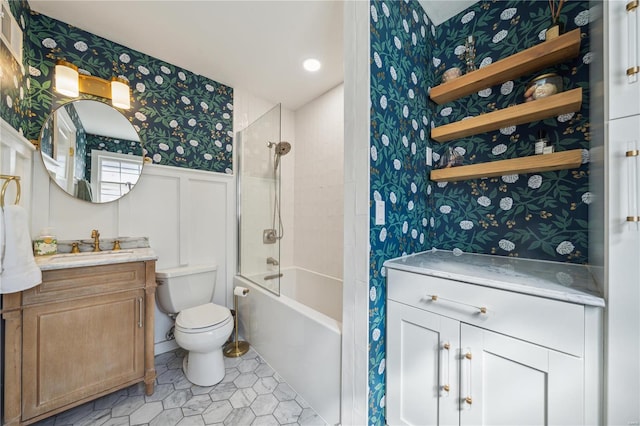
pixel 203 318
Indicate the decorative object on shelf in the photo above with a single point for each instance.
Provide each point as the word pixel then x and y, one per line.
pixel 451 74
pixel 46 243
pixel 470 53
pixel 543 86
pixel 556 26
pixel 541 142
pixel 548 150
pixel 450 158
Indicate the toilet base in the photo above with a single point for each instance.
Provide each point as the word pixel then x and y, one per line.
pixel 204 369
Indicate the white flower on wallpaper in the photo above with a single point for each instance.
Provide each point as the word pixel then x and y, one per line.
pixel 484 201
pixel 383 235
pixel 585 156
pixel 416 18
pixel 187 101
pixel 582 18
pixel 204 106
pixel 405 111
pixel 486 61
pixel 159 79
pixel 565 247
pixel 373 293
pixel 374 13
pixel 485 93
pixel 229 147
pixel 180 150
pixel 217 143
pixel 507 87
pixel 377 60
pixel 414 187
pixel 382 366
pixel 192 122
pixel 410 205
pixel 49 43
pixel 385 140
pixel 508 130
pixel 432 222
pixel 510 178
pixel 457 252
pixel 436 62
pixel 423 32
pixel 230 107
pixel 397 42
pixel 393 198
pixel 467 17
pixel 459 50
pixel 460 150
pixel 140 87
pixel 414 79
pixel 193 142
pixel 425 18
pixel 433 30
pixel 385 10
pixel 157 158
pixel 124 58
pixel 587 198
pixel 21 93
pixel 392 72
pixel 102 145
pixel 425 222
pixel 376 334
pixel 506 245
pixel 421 238
pixel 587 58
pixel 442 184
pixel 564 278
pixel 422 134
pixel 9 101
pixel 414 39
pixel 563 118
pixel 498 37
pixel 182 76
pixel 383 102
pixel 414 234
pixel 425 121
pixel 411 94
pixel 34 72
pixel 80 46
pixel 397 164
pixel 163 146
pixel 208 157
pixel 218 126
pixel 405 227
pixel 508 13
pixel 499 149
pixel 405 25
pixel 405 141
pixel 506 203
pixel 209 88
pixel 165 69
pixel 140 116
pixel 445 209
pixel 377 196
pixel 535 181
pixel 466 225
pixel 446 111
pixel 173 124
pixel 414 124
pixel 374 153
pixel 435 156
pixel 143 70
pixel 429 189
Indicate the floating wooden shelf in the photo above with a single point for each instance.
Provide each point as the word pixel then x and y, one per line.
pixel 535 163
pixel 547 53
pixel 562 103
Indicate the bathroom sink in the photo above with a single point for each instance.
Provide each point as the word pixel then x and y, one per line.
pixel 66 257
pixel 74 260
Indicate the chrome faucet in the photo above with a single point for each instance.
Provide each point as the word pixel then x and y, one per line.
pixel 272 261
pixel 96 240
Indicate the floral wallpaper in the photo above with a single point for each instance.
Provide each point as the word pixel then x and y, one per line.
pixel 401 36
pixel 104 143
pixel 183 119
pixel 539 215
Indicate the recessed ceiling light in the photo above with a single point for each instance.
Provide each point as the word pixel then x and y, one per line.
pixel 311 64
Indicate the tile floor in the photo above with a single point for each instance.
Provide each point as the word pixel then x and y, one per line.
pixel 251 393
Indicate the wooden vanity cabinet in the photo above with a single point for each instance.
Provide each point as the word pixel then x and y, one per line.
pixel 83 333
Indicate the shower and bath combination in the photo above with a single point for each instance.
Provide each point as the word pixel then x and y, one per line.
pixel 270 236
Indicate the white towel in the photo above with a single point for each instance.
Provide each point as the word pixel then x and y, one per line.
pixel 19 269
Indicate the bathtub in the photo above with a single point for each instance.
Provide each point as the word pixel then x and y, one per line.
pixel 298 334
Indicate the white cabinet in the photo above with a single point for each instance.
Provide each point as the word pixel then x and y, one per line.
pixel 460 353
pixel 624 57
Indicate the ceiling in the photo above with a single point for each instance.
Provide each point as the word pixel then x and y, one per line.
pixel 257 46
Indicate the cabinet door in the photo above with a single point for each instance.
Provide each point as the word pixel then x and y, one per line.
pixel 624 55
pixel 506 381
pixel 422 374
pixel 75 349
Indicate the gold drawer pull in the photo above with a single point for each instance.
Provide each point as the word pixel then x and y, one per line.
pixel 632 5
pixel 633 71
pixel 481 309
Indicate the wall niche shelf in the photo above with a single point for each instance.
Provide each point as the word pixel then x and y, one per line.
pixel 528 61
pixel 562 103
pixel 536 163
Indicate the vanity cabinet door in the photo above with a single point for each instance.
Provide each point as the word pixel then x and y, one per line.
pixel 78 349
pixel 506 381
pixel 422 373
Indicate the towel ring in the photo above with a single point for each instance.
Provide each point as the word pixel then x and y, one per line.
pixel 7 180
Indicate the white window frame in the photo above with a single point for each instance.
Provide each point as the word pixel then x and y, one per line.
pixel 97 156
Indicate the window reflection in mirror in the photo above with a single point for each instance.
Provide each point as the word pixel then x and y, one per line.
pixel 91 151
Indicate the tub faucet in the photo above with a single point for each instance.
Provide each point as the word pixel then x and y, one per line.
pixel 96 240
pixel 272 261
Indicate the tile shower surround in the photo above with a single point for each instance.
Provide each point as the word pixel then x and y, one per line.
pixel 251 393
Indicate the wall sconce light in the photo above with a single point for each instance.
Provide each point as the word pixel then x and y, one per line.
pixel 70 83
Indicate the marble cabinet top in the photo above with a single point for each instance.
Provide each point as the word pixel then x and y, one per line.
pixel 562 281
pixel 107 257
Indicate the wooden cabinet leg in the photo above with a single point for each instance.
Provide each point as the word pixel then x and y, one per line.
pixel 12 358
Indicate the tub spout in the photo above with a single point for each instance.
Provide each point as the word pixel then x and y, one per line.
pixel 272 261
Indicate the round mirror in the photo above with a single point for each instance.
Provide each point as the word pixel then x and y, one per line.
pixel 91 151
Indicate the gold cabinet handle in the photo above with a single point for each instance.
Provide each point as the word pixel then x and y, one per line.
pixel 632 5
pixel 633 182
pixel 632 48
pixel 140 323
pixel 481 309
pixel 468 400
pixel 445 369
pixel 466 376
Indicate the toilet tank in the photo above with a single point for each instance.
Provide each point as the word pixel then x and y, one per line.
pixel 185 287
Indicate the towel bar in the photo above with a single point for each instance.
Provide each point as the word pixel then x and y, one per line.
pixel 8 179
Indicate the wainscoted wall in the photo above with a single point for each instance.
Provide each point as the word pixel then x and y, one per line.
pixel 539 215
pixel 318 188
pixel 184 120
pixel 400 34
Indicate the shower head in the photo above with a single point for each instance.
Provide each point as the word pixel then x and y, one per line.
pixel 283 148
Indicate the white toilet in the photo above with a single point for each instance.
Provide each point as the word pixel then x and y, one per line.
pixel 201 327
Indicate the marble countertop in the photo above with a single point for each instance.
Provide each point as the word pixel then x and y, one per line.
pixel 132 250
pixel 554 280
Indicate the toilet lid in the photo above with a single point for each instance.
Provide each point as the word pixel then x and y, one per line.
pixel 202 316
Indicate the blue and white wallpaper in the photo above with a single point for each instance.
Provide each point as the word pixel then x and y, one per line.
pixel 540 215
